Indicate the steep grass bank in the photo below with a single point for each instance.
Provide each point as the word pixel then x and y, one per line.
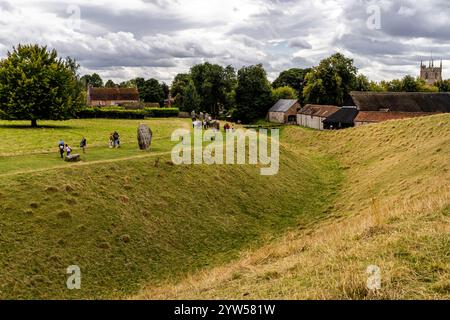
pixel 392 211
pixel 130 223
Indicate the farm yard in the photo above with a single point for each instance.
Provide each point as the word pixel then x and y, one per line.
pixel 339 203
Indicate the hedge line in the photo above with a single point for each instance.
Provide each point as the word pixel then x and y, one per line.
pixel 140 105
pixel 118 113
pixel 162 112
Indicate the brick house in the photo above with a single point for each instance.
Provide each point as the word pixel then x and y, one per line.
pixel 111 96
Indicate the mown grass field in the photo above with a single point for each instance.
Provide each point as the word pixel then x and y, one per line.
pixel 392 210
pixel 128 223
pixel 24 148
pixel 375 195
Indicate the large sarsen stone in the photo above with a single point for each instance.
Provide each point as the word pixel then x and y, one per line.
pixel 144 137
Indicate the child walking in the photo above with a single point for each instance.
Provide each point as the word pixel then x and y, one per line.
pixel 68 150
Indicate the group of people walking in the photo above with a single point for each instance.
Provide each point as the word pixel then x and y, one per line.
pixel 205 124
pixel 205 121
pixel 114 140
pixel 65 149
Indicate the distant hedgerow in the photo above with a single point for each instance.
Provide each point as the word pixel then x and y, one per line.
pixel 120 113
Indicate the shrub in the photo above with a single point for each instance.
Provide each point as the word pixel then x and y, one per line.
pixel 3 115
pixel 162 112
pixel 140 105
pixel 184 114
pixel 121 113
pixel 111 113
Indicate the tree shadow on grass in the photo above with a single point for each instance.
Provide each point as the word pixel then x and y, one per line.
pixel 44 126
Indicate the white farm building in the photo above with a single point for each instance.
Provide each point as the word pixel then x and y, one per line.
pixel 312 116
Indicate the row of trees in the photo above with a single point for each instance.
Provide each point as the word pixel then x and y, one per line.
pixel 36 84
pixel 247 94
pixel 207 87
pixel 335 77
pixel 407 84
pixel 150 90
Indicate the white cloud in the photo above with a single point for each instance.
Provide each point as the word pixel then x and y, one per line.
pixel 407 12
pixel 159 38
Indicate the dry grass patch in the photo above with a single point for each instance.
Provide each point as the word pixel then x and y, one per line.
pixel 392 211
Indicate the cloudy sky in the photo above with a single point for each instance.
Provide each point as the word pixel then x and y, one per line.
pixel 122 39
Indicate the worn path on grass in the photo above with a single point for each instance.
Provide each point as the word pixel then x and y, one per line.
pixel 95 162
pixel 81 164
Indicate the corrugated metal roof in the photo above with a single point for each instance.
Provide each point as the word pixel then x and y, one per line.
pixel 318 110
pixel 283 105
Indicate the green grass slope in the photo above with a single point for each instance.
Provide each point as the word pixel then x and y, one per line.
pixel 26 149
pixel 392 210
pixel 130 223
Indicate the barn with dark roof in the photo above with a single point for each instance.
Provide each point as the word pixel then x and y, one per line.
pixel 312 115
pixel 284 111
pixel 402 101
pixel 111 96
pixel 341 119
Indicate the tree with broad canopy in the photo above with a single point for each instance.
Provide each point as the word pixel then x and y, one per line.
pixel 37 85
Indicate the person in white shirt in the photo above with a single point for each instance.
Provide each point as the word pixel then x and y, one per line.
pixel 68 150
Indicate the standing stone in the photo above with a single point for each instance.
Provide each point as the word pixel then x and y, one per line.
pixel 144 137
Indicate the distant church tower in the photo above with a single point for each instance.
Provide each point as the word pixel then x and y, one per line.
pixel 430 74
